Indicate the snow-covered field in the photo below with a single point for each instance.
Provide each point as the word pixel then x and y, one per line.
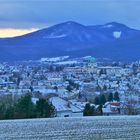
pixel 87 128
pixel 54 59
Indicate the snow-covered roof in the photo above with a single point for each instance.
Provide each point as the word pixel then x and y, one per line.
pixel 60 104
pixel 63 105
pixel 34 100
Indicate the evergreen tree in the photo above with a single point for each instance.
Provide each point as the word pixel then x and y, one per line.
pixel 31 88
pixel 79 95
pixel 24 108
pixel 96 101
pixel 69 88
pixel 44 109
pixel 104 87
pixel 116 96
pixel 110 97
pixel 88 110
pixel 9 112
pixel 2 111
pixel 100 109
pixel 102 99
pixel 56 88
pixel 98 88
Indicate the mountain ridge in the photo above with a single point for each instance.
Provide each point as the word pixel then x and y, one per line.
pixel 112 40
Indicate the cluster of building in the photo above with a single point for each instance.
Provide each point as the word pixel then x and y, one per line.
pixel 70 87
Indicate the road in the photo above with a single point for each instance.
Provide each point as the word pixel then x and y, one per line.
pixel 86 128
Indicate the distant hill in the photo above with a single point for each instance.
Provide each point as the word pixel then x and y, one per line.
pixel 112 40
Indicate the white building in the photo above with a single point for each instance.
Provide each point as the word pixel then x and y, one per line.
pixel 65 108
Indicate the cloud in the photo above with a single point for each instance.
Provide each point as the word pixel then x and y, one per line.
pixel 41 13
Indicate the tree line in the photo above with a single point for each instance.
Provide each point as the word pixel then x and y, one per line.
pixel 24 108
pixel 103 98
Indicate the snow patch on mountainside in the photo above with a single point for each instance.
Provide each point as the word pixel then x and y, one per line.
pixel 117 34
pixel 108 26
pixel 66 62
pixel 56 36
pixel 86 57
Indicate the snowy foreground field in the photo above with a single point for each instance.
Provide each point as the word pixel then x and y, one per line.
pixel 91 128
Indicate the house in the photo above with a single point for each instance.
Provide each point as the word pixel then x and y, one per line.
pixel 65 108
pixel 34 100
pixel 111 108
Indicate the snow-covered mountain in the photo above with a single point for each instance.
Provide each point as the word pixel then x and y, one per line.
pixel 112 40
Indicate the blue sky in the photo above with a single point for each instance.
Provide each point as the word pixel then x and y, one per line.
pixel 27 14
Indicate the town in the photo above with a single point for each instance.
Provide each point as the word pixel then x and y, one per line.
pixel 83 87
